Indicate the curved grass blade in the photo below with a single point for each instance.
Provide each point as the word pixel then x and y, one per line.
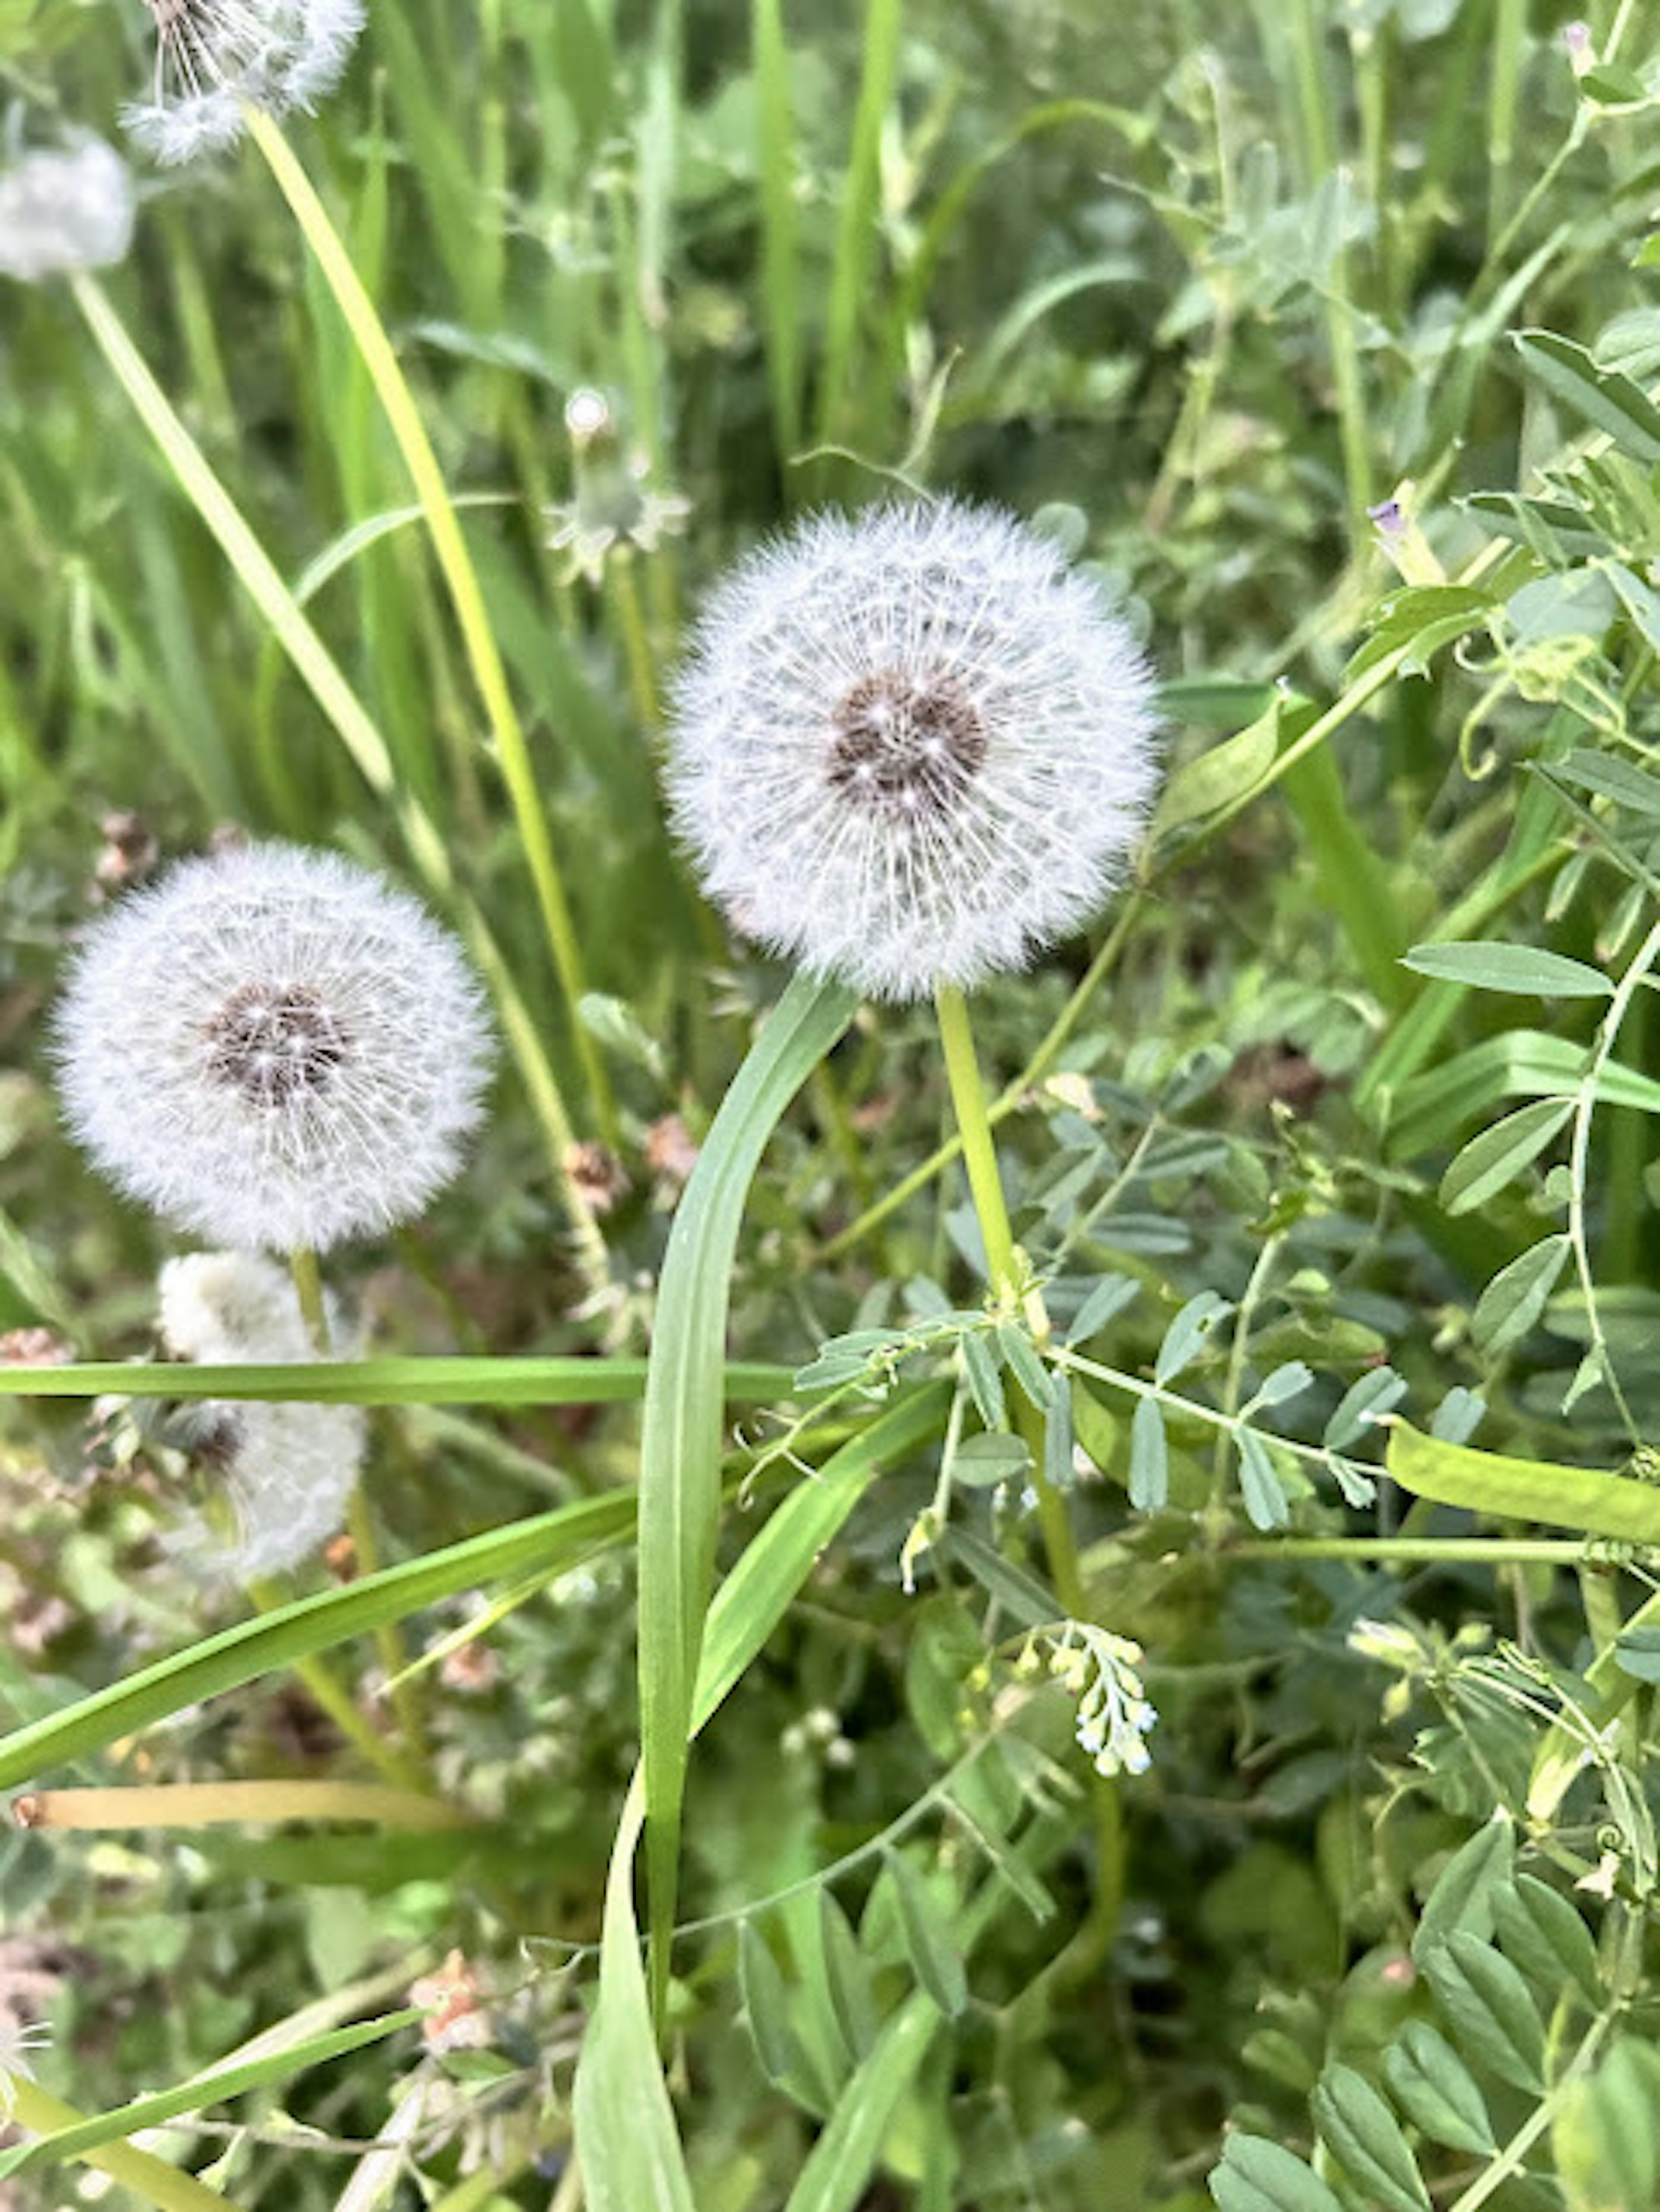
pixel 680 1440
pixel 553 1542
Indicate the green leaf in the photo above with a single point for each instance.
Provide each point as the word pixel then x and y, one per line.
pixel 766 2002
pixel 1489 2009
pixel 1356 1412
pixel 1149 1457
pixel 624 2124
pixel 1185 1337
pixel 1605 2134
pixel 935 1957
pixel 1603 397
pixel 1057 1434
pixel 1546 1935
pixel 1524 1489
pixel 1492 965
pixel 1364 2138
pixel 1105 1302
pixel 1437 2090
pixel 985 1383
pixel 1520 1063
pixel 852 1987
pixel 1498 1155
pixel 1463 1895
pixel 1266 1505
pixel 981 1462
pixel 1609 777
pixel 1416 624
pixel 1220 774
pixel 837 2174
pixel 1517 1296
pixel 1259 2176
pixel 1021 1594
pixel 681 1427
pixel 1021 1358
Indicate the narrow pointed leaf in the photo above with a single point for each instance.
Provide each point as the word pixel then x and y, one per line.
pixel 1437 2090
pixel 1488 2005
pixel 1365 2138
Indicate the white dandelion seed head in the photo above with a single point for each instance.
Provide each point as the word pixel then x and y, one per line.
pixel 64 209
pixel 288 1472
pixel 213 59
pixel 911 746
pixel 273 1048
pixel 216 1308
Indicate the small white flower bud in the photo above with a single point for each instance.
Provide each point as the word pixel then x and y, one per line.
pixel 911 746
pixel 274 1050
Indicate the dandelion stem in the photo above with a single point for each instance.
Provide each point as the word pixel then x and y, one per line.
pixel 630 618
pixel 308 1287
pixel 513 752
pixel 337 1702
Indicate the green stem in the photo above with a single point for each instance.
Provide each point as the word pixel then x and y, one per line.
pixel 308 1288
pixel 513 752
pixel 337 1702
pixel 150 2178
pixel 630 619
pixel 1518 1552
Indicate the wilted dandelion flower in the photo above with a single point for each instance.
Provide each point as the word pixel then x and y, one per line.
pixel 64 209
pixel 214 58
pixel 287 1470
pixel 911 746
pixel 273 1048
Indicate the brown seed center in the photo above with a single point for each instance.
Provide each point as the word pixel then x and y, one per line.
pixel 906 746
pixel 274 1041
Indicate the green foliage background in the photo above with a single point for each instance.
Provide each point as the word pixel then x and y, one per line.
pixel 1345 1113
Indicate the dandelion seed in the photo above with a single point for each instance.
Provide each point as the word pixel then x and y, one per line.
pixel 64 209
pixel 911 747
pixel 274 1050
pixel 287 1470
pixel 217 58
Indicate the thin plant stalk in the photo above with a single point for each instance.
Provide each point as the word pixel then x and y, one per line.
pixel 512 750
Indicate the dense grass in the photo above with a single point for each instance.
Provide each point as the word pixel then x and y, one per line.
pixel 1322 333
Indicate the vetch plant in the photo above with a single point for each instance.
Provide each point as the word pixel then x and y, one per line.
pixel 275 1049
pixel 216 59
pixel 64 209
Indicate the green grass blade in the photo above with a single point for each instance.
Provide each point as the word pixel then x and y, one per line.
pixel 193 2096
pixel 553 1540
pixel 439 1382
pixel 680 1442
pixel 852 277
pixel 781 290
pixel 838 2172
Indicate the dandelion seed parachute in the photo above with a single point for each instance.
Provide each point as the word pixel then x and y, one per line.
pixel 274 1050
pixel 214 58
pixel 288 1469
pixel 911 746
pixel 64 209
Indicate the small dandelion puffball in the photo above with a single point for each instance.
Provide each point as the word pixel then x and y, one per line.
pixel 213 59
pixel 64 209
pixel 274 1050
pixel 910 746
pixel 287 1470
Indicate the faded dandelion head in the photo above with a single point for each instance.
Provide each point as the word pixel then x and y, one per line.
pixel 64 209
pixel 215 58
pixel 286 1472
pixel 911 746
pixel 274 1050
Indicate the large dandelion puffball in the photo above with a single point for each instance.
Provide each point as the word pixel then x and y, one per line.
pixel 911 746
pixel 274 1050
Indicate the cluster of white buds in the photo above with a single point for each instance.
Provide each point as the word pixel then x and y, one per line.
pixel 64 209
pixel 217 58
pixel 287 1470
pixel 1115 1716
